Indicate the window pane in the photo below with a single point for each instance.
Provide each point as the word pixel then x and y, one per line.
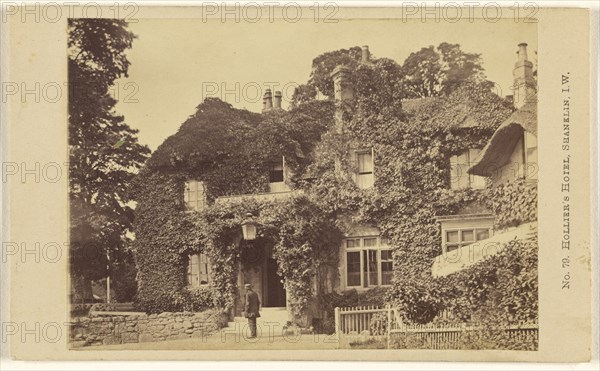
pixel 477 182
pixel 364 181
pixel 194 195
pixel 370 242
pixel 276 172
pixel 386 273
pixel 352 243
pixel 454 172
pixel 451 247
pixel 192 270
pixel 203 269
pixel 386 267
pixel 353 268
pixel 386 255
pixel 468 236
pixel 452 236
pixel 483 234
pixel 531 156
pixel 204 279
pixel 370 268
pixel 365 162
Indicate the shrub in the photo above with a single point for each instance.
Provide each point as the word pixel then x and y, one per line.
pixel 368 344
pixel 194 300
pixel 379 324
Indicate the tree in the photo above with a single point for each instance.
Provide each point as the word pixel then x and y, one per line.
pixel 320 77
pixel 433 71
pixel 104 150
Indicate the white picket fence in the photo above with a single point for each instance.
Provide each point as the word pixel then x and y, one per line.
pixel 355 325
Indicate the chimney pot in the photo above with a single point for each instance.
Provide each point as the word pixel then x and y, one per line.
pixel 365 55
pixel 267 100
pixel 524 84
pixel 277 101
pixel 522 51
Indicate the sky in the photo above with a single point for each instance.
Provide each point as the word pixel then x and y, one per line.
pixel 177 63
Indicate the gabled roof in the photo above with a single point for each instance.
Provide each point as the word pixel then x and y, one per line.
pixel 501 145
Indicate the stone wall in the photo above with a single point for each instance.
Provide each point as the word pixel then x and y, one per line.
pixel 139 328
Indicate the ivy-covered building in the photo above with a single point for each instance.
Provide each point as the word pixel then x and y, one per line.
pixel 508 163
pixel 330 203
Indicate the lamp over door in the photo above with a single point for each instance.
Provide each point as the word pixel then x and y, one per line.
pixel 249 228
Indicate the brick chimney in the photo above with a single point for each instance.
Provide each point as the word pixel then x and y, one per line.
pixel 267 101
pixel 343 93
pixel 524 84
pixel 365 55
pixel 277 101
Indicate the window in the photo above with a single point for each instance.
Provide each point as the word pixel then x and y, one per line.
pixel 459 178
pixel 457 238
pixel 198 270
pixel 277 175
pixel 386 267
pixel 194 195
pixel 368 262
pixel 530 151
pixel 364 164
pixel 276 172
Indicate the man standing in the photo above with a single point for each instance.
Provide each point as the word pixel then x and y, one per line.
pixel 251 309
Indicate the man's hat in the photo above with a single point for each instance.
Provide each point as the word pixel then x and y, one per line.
pixel 247 285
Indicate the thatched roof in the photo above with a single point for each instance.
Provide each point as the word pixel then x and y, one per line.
pixel 501 145
pixel 459 115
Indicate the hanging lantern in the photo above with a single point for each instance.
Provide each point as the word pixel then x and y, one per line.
pixel 249 228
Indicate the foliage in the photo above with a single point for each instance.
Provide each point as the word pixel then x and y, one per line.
pixel 501 289
pixel 231 159
pixel 515 203
pixel 434 71
pixel 412 149
pixel 123 276
pixel 486 337
pixel 322 67
pixel 161 230
pixel 379 323
pixel 368 344
pixel 99 170
pixel 194 300
pixel 493 336
pixel 351 298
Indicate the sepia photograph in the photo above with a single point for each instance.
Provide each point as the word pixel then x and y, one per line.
pixel 359 192
pixel 245 185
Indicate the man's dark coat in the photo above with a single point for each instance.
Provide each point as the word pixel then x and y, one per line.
pixel 252 304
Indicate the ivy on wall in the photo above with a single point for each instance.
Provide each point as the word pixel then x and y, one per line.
pixel 229 152
pixel 228 149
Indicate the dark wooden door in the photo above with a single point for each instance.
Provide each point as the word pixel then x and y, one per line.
pixel 276 290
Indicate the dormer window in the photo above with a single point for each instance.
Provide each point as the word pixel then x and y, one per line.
pixel 276 172
pixel 194 195
pixel 277 176
pixel 364 168
pixel 459 178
